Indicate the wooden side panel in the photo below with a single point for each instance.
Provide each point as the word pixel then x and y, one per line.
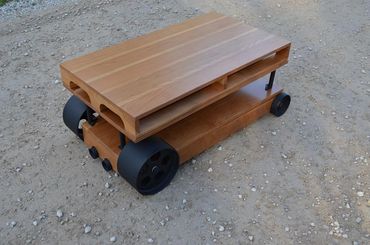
pixel 197 132
pixel 205 128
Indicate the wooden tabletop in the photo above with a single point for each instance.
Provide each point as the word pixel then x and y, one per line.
pixel 143 75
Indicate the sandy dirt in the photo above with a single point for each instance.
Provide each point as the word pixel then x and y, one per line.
pixel 299 179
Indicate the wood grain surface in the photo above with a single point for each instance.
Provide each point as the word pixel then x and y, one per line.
pixel 143 85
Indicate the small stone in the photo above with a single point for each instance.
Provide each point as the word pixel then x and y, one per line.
pixel 87 229
pixel 18 169
pixel 210 170
pixel 363 71
pixel 107 185
pixel 36 147
pixel 312 224
pixel 355 243
pixel 360 193
pixel 59 213
pixel 284 156
pixel 273 133
pixel 287 229
pixel 13 223
pixel 251 238
pixel 112 239
pixel 368 203
pixel 26 54
pixel 150 240
pixel 35 223
pixel 193 161
pixel 345 236
pixel 221 228
pixel 220 148
pixel 278 5
pixel 253 189
pixel 56 81
pixel 358 220
pixel 184 201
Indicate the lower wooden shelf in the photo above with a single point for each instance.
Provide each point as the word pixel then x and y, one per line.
pixel 199 131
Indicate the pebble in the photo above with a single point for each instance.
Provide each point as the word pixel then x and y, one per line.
pixel 35 223
pixel 193 161
pixel 87 229
pixel 360 193
pixel 150 240
pixel 220 148
pixel 363 71
pixel 287 229
pixel 107 185
pixel 284 156
pixel 210 170
pixel 273 133
pixel 59 213
pixel 112 239
pixel 312 224
pixel 368 203
pixel 221 228
pixel 253 189
pixel 13 223
pixel 358 220
pixel 251 238
pixel 56 81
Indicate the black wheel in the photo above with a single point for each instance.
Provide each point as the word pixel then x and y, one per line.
pixel 74 111
pixel 149 165
pixel 93 152
pixel 280 104
pixel 106 165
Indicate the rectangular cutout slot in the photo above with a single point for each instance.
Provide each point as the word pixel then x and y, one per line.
pixel 112 117
pixel 79 91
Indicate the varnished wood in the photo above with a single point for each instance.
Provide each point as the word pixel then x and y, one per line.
pixel 144 85
pixel 105 138
pixel 201 130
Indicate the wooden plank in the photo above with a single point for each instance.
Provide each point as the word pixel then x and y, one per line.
pixel 179 59
pixel 158 97
pixel 140 42
pixel 121 61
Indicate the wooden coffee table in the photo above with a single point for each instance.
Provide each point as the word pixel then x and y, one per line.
pixel 153 102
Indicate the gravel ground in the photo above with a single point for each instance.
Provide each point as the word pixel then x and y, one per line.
pixel 299 179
